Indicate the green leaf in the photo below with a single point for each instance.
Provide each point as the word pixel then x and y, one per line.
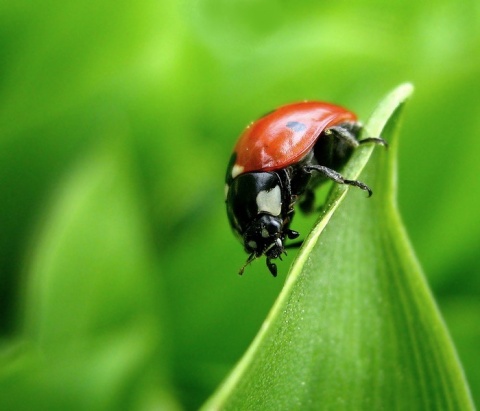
pixel 355 326
pixel 93 310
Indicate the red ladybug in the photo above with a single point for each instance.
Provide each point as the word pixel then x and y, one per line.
pixel 277 162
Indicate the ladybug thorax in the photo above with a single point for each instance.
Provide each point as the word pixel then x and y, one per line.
pixel 255 207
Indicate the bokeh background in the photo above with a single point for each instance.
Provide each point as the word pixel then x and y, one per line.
pixel 118 281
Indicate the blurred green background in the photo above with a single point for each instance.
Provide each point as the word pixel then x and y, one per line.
pixel 118 271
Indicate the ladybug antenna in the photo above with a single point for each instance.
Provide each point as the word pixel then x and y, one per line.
pixel 250 258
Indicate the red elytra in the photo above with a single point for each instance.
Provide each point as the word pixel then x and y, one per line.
pixel 284 136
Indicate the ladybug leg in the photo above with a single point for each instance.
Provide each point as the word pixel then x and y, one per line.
pixel 345 135
pixel 375 140
pixel 292 234
pixel 272 267
pixel 307 205
pixel 348 133
pixel 337 177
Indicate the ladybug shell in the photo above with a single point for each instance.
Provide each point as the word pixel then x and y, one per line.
pixel 284 136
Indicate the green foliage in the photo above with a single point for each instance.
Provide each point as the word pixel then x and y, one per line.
pixel 118 284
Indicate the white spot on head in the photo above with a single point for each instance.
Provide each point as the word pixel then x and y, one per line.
pixel 236 170
pixel 227 187
pixel 270 201
pixel 252 244
pixel 265 233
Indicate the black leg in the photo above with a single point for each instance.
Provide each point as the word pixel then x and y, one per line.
pixel 347 136
pixel 272 267
pixel 349 133
pixel 337 177
pixel 292 234
pixel 307 205
pixel 375 140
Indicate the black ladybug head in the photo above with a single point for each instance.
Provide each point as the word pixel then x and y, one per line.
pixel 255 204
pixel 264 236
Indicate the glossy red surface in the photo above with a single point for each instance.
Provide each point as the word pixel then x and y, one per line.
pixel 286 135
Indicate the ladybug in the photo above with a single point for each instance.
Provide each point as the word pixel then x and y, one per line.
pixel 277 162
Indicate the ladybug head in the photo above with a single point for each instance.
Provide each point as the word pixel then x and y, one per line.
pixel 255 210
pixel 264 236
